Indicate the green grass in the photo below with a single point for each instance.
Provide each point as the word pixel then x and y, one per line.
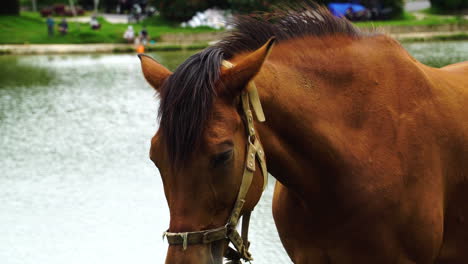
pixel 409 19
pixel 31 28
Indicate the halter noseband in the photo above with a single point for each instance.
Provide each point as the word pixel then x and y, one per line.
pixel 254 152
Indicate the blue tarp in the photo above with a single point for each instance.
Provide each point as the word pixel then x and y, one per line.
pixel 339 9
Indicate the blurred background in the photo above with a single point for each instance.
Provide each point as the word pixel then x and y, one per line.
pixel 76 116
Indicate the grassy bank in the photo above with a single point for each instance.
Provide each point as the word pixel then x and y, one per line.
pixel 31 28
pixel 162 47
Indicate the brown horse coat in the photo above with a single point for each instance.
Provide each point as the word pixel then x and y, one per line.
pixel 368 145
pixel 371 153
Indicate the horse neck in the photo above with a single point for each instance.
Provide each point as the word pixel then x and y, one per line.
pixel 320 109
pixel 297 144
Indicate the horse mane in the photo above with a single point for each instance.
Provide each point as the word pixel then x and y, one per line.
pixel 187 95
pixel 287 21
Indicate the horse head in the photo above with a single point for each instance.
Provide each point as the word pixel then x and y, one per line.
pixel 202 151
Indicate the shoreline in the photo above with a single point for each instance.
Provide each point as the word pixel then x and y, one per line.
pixel 41 49
pixel 36 49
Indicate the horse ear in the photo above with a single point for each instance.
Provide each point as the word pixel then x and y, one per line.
pixel 235 78
pixel 154 72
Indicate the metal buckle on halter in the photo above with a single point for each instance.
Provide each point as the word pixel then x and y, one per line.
pixel 183 235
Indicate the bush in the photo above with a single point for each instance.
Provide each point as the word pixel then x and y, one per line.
pixel 45 12
pixel 60 10
pixel 180 10
pixel 449 4
pixel 396 5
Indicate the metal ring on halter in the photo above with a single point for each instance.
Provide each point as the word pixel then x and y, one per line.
pixel 251 140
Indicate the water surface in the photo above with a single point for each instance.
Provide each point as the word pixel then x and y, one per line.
pixel 77 186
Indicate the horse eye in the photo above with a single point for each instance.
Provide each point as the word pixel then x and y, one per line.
pixel 222 158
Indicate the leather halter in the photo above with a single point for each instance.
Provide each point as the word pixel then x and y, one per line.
pixel 254 152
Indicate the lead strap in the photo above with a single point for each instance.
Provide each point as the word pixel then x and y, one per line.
pixel 245 228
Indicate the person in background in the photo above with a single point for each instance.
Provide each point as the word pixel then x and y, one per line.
pixel 63 27
pixel 129 34
pixel 50 25
pixel 144 36
pixel 94 23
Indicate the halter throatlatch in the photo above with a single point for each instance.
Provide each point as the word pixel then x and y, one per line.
pixel 255 153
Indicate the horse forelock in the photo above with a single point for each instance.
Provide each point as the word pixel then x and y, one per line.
pixel 186 102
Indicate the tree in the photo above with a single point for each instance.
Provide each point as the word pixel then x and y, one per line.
pixel 34 5
pixel 96 4
pixel 10 7
pixel 72 6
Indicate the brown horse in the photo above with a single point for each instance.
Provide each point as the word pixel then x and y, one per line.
pixel 369 146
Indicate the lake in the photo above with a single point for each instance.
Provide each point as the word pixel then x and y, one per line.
pixel 77 185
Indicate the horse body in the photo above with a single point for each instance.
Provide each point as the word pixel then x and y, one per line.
pixel 368 149
pixel 368 145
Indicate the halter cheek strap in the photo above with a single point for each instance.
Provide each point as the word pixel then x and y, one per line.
pixel 255 153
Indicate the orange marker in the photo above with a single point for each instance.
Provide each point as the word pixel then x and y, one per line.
pixel 140 49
